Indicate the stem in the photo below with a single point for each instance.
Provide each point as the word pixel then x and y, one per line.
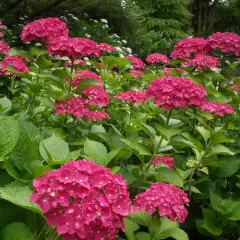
pixel 42 231
pixel 190 183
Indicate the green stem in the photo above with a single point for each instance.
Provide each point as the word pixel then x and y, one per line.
pixel 42 231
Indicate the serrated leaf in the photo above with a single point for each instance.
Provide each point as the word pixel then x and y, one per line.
pixel 204 133
pixel 87 83
pixel 131 227
pixel 5 103
pixel 220 138
pixel 168 132
pixel 16 231
pixel 43 62
pixel 137 147
pixel 9 133
pixel 142 218
pixel 111 155
pixel 143 236
pixel 19 194
pixel 220 150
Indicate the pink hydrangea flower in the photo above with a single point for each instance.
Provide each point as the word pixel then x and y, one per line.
pixel 167 71
pixel 136 62
pixel 96 95
pixel 132 96
pixel 77 62
pixel 168 200
pixel 83 200
pixel 85 74
pixel 157 58
pixel 169 161
pixel 234 88
pixel 190 46
pixel 220 109
pixel 136 73
pixel 202 62
pixel 4 47
pixel 226 42
pixel 171 92
pixel 96 115
pixel 46 29
pixel 65 46
pixel 104 47
pixel 2 27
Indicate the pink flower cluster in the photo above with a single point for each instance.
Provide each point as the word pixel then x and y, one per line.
pixel 77 62
pixel 136 62
pixel 136 73
pixel 4 47
pixel 84 74
pixel 78 107
pixel 220 109
pixel 168 200
pixel 171 92
pixel 190 46
pixel 73 47
pixel 169 161
pixel 2 27
pixel 46 29
pixel 202 62
pixel 227 42
pixel 167 71
pixel 132 96
pixel 157 58
pixel 83 200
pixel 96 95
pixel 104 47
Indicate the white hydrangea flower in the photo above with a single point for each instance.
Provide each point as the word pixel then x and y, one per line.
pixel 124 41
pixel 86 59
pixel 129 50
pixel 106 26
pixel 95 21
pixel 104 20
pixel 115 35
pixel 88 63
pixel 87 35
pixel 38 44
pixel 118 49
pixel 121 56
pixel 75 18
pixel 21 18
pixel 84 28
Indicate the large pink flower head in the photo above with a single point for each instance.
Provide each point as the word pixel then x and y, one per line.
pixel 15 62
pixel 136 73
pixel 202 62
pixel 83 200
pixel 220 109
pixel 77 62
pixel 227 42
pixel 168 200
pixel 188 46
pixel 96 115
pixel 132 96
pixel 85 74
pixel 65 46
pixel 169 161
pixel 46 29
pixel 157 58
pixel 4 47
pixel 171 92
pixel 136 62
pixel 96 95
pixel 168 71
pixel 104 47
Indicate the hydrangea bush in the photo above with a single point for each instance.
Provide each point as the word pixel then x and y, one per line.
pixel 100 146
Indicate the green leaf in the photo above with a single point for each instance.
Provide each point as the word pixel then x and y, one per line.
pixel 168 132
pixel 131 227
pixel 179 141
pixel 97 129
pixel 35 51
pixel 143 236
pixel 95 151
pixel 9 133
pixel 221 150
pixel 21 53
pixel 16 231
pixel 175 233
pixel 220 138
pixel 204 133
pixel 169 175
pixel 19 195
pixel 54 146
pixel 209 222
pixel 88 82
pixel 46 101
pixel 5 103
pixel 142 218
pixel 111 155
pixel 43 63
pixel 110 61
pixel 137 147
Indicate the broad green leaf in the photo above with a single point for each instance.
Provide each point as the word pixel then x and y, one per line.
pixel 142 218
pixel 46 101
pixel 97 129
pixel 220 138
pixel 111 155
pixel 95 151
pixel 168 132
pixel 143 236
pixel 115 169
pixel 43 63
pixel 110 61
pixel 221 150
pixel 179 141
pixel 137 147
pixel 209 222
pixel 169 175
pixel 175 233
pixel 54 146
pixel 21 53
pixel 204 133
pixel 16 231
pixel 5 103
pixel 19 194
pixel 87 83
pixel 131 227
pixel 9 133
pixel 35 51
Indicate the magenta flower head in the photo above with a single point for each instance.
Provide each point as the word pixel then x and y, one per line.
pixel 171 92
pixel 83 200
pixel 136 62
pixel 220 109
pixel 168 200
pixel 226 42
pixel 104 47
pixel 77 62
pixel 136 73
pixel 45 29
pixel 65 46
pixel 203 62
pixel 157 58
pixel 96 115
pixel 169 161
pixel 132 96
pixel 190 46
pixel 4 47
